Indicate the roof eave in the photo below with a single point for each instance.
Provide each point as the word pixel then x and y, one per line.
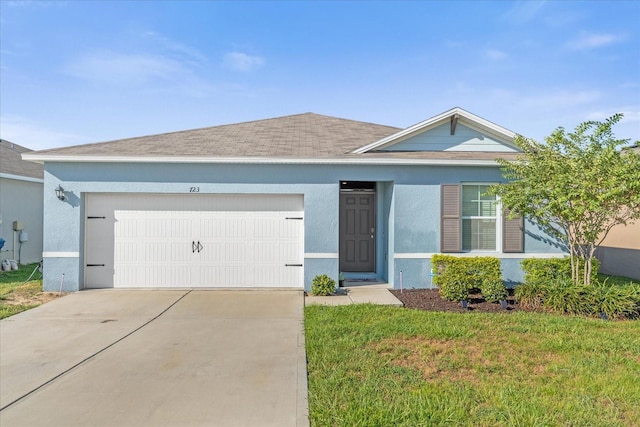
pixel 260 160
pixel 21 177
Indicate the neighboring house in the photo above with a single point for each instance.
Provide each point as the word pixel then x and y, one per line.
pixel 276 202
pixel 619 253
pixel 21 184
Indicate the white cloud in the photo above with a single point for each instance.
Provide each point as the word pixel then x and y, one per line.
pixel 495 54
pixel 242 62
pixel 28 134
pixel 123 67
pixel 592 41
pixel 523 11
pixel 181 49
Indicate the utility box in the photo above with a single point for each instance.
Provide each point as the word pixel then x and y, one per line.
pixel 18 226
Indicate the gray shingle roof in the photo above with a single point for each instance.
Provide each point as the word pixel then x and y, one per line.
pixel 11 161
pixel 305 135
pixel 301 136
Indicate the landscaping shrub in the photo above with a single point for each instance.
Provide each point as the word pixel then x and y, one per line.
pixel 454 290
pixel 323 285
pixel 562 296
pixel 457 276
pixel 493 290
pixel 531 295
pixel 565 297
pixel 544 270
pixel 618 301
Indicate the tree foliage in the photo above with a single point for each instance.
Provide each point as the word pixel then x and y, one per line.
pixel 576 187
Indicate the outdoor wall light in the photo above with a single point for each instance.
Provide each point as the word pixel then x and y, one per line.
pixel 60 193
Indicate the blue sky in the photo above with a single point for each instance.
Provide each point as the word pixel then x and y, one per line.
pixel 74 72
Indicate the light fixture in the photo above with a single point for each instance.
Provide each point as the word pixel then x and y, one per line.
pixel 60 193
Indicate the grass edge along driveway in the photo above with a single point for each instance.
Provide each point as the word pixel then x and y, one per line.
pixel 21 290
pixel 379 366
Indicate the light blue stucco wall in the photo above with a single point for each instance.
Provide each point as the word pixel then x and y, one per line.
pixel 21 200
pixel 408 209
pixel 440 139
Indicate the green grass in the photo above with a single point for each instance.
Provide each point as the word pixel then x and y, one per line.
pixel 13 286
pixel 383 366
pixel 616 280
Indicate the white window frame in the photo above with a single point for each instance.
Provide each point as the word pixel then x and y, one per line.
pixel 498 218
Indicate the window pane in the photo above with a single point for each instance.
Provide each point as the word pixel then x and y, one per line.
pixel 466 234
pixel 482 190
pixel 470 200
pixel 469 208
pixel 479 234
pixel 487 208
pixel 475 201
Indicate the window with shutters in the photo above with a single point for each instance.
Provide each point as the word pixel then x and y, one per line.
pixel 472 220
pixel 479 219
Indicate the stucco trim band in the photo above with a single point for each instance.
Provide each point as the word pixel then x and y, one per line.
pixel 320 255
pixel 60 254
pixel 474 254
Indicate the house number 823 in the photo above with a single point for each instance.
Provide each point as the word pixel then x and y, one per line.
pixel 194 189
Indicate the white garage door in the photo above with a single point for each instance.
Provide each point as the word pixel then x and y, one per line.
pixel 194 241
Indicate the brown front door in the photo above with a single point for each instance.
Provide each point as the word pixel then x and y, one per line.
pixel 357 232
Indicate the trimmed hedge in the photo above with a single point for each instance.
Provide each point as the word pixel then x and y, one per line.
pixel 546 270
pixel 457 276
pixel 493 290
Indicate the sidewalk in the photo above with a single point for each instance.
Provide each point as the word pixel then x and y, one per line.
pixel 357 294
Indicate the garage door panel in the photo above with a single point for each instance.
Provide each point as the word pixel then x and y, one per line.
pixel 269 276
pixel 231 275
pixel 217 225
pixel 225 247
pixel 226 252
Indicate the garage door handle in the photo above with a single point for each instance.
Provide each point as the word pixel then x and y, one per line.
pixel 293 265
pixel 196 246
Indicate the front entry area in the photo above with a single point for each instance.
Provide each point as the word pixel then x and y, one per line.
pixel 357 226
pixel 178 240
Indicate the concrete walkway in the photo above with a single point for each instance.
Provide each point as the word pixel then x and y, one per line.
pixel 356 293
pixel 156 357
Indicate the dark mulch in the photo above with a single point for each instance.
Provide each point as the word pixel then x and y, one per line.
pixel 430 300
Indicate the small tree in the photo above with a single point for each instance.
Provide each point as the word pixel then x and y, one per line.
pixel 576 187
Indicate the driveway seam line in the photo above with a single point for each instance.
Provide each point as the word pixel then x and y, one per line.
pixel 94 354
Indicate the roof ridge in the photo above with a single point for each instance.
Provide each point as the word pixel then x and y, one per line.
pixel 13 146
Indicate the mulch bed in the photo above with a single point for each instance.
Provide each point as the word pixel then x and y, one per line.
pixel 430 300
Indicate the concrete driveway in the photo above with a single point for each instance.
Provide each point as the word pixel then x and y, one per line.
pixel 156 358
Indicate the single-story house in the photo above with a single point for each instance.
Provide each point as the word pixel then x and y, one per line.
pixel 275 202
pixel 21 187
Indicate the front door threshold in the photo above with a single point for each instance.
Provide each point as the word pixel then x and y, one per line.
pixel 366 283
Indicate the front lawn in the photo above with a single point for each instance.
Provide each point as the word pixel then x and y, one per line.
pixel 382 366
pixel 17 294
